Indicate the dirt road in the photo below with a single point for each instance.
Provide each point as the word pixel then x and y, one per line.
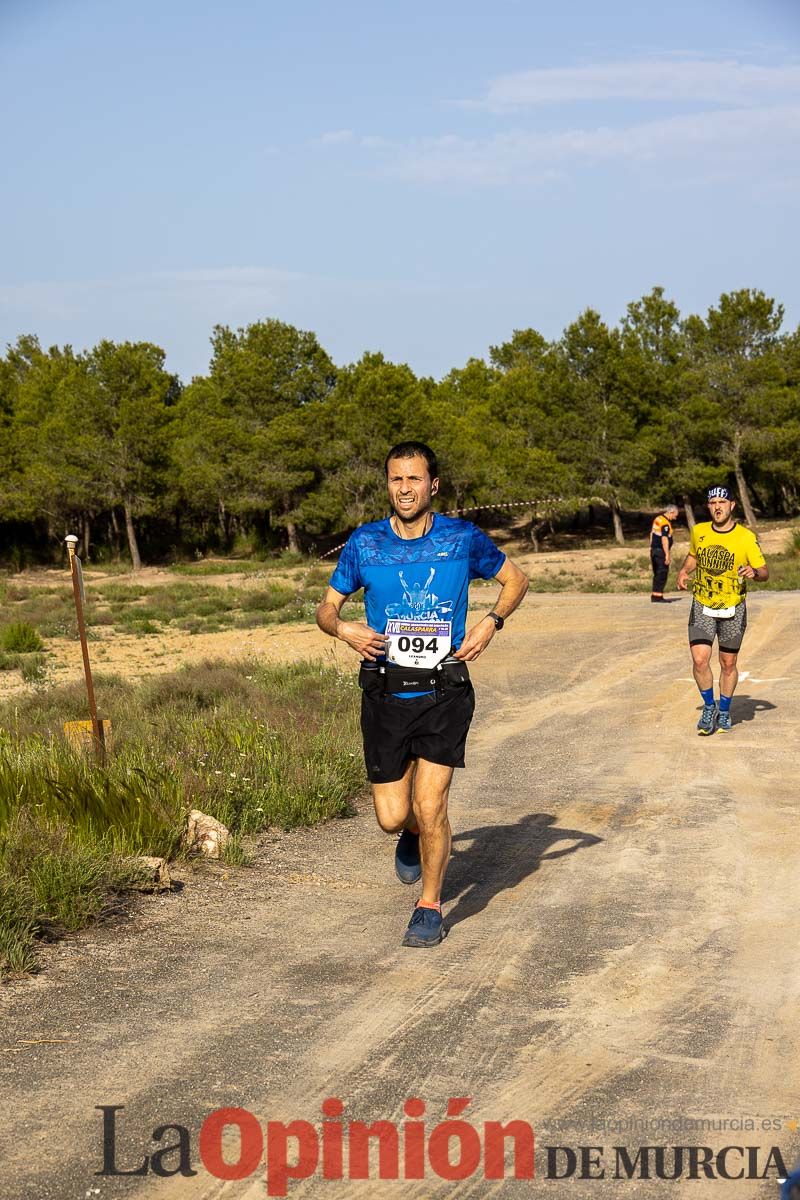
pixel 624 943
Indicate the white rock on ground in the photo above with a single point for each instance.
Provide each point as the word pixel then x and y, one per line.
pixel 155 872
pixel 205 834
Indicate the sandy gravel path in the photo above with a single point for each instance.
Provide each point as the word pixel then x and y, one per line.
pixel 623 947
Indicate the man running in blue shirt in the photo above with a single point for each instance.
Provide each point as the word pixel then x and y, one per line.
pixel 417 699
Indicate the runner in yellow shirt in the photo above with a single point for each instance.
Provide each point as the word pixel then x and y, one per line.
pixel 724 555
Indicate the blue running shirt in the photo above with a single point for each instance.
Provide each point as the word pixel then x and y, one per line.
pixel 423 579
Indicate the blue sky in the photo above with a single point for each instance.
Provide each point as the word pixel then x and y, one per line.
pixel 416 179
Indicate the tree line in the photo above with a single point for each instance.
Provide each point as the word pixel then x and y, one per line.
pixel 277 446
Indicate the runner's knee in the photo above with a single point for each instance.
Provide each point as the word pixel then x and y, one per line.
pixel 391 812
pixel 430 811
pixel 701 656
pixel 388 823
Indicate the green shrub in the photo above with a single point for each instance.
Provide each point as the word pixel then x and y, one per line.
pixel 18 928
pixel 52 613
pixel 144 627
pixel 20 638
pixel 33 668
pixel 624 566
pixel 123 592
pixel 214 604
pixel 249 545
pixel 238 567
pixel 69 885
pixel 290 558
pixel 16 557
pixel 191 624
pixel 784 574
pixel 199 687
pixel 267 599
pixel 563 582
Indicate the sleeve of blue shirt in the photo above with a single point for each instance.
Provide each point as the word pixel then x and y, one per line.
pixel 485 560
pixel 347 576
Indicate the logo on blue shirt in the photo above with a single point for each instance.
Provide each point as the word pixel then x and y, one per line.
pixel 419 601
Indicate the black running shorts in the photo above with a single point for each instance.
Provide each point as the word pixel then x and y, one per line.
pixel 395 730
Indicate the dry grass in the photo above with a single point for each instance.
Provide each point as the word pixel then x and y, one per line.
pixel 248 744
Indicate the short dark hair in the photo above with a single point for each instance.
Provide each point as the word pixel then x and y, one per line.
pixel 411 450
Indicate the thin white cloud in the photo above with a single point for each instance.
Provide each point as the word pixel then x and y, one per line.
pixel 749 111
pixel 215 277
pixel 228 287
pixel 346 137
pixel 177 309
pixel 336 137
pixel 228 292
pixel 728 140
pixel 55 300
pixel 728 81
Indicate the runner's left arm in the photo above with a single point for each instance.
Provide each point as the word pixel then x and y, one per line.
pixel 513 586
pixel 756 568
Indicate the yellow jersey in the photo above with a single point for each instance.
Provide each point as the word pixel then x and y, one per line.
pixel 716 582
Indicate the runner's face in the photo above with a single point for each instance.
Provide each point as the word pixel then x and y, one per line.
pixel 721 510
pixel 410 487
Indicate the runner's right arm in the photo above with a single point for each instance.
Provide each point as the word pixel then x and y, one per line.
pixel 356 634
pixel 689 564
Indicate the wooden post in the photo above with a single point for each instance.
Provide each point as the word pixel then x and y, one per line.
pixel 77 591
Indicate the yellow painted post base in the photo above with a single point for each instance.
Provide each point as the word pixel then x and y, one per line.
pixel 81 735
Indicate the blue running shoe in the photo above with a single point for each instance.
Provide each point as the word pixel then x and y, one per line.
pixel 425 928
pixel 708 719
pixel 406 858
pixel 724 722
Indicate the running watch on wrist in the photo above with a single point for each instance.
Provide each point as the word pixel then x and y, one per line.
pixel 499 621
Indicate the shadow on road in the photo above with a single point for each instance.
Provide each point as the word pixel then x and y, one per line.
pixel 498 857
pixel 744 708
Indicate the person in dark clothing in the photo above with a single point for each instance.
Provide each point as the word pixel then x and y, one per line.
pixel 661 550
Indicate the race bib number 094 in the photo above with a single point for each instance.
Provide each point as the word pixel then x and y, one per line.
pixel 417 643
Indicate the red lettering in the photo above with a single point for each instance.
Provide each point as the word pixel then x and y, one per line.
pixel 494 1149
pixel 279 1171
pixel 388 1149
pixel 251 1143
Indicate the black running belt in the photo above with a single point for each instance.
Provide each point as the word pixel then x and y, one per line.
pixel 396 679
